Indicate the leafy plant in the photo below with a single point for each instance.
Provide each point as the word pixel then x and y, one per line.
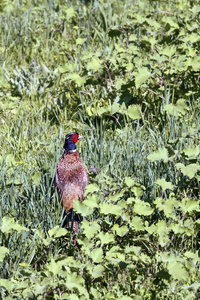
pixel 125 77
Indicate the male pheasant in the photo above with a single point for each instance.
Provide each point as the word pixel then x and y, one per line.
pixel 71 176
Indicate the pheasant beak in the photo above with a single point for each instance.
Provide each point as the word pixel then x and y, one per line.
pixel 80 137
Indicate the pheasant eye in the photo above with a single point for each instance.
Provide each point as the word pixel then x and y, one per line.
pixel 75 138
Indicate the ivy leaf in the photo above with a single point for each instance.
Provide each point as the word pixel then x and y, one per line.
pixel 3 252
pixel 137 223
pixel 94 64
pixel 70 13
pixel 143 209
pixel 108 208
pixel 97 255
pixel 106 238
pixel 121 231
pixel 133 112
pixel 192 152
pixel 165 184
pixel 53 231
pixel 76 78
pixel 74 281
pixel 61 232
pixel 137 191
pixel 91 188
pixel 179 108
pixel 90 228
pixel 96 271
pixel 9 224
pixel 168 51
pixel 189 170
pixel 129 181
pixel 161 154
pixel 177 270
pixel 67 68
pixel 82 209
pixel 80 41
pixel 54 267
pixel 189 205
pixel 7 284
pixel 142 76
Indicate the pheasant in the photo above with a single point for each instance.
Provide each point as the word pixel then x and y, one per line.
pixel 71 176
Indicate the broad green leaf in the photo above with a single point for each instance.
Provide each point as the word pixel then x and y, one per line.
pixel 67 68
pixel 97 255
pixel 54 267
pixel 61 232
pixel 138 192
pixel 96 271
pixel 91 188
pixel 94 64
pixel 114 256
pixel 74 281
pixel 9 224
pixel 133 112
pixel 53 231
pixel 91 203
pixel 192 151
pixel 143 209
pixel 129 181
pixel 169 51
pixel 190 204
pixel 142 76
pixel 108 208
pixel 70 297
pixel 151 229
pixel 80 41
pixel 133 249
pixel 161 154
pixel 165 185
pixel 78 79
pixel 189 170
pixel 3 252
pixel 177 270
pixel 106 238
pixel 166 205
pixel 193 256
pixel 180 108
pixel 82 209
pixel 194 63
pixel 90 229
pixel 131 200
pixel 7 284
pixel 116 196
pixel 137 223
pixel 70 13
pixel 121 231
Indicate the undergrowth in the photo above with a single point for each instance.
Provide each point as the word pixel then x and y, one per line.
pixel 126 77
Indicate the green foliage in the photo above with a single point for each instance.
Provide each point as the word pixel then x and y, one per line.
pixel 126 77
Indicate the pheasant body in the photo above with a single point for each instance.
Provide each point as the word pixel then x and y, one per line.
pixel 71 175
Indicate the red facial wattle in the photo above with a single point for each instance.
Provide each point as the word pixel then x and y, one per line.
pixel 74 138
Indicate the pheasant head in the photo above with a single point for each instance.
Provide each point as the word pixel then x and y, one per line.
pixel 70 141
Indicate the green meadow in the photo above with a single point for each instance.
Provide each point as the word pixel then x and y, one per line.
pixel 125 75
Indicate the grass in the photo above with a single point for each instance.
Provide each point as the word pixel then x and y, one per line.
pixel 135 232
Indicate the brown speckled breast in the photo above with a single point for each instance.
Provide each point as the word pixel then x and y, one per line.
pixel 71 179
